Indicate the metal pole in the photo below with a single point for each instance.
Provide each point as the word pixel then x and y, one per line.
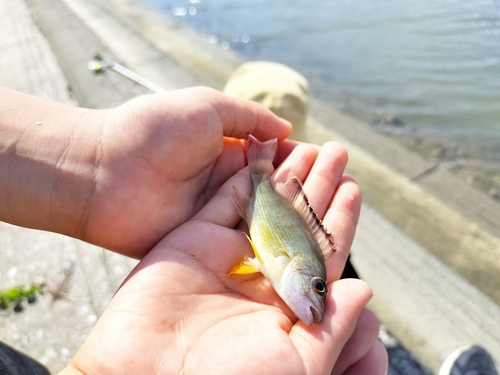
pixel 99 64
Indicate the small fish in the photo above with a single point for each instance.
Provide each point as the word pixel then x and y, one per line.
pixel 289 242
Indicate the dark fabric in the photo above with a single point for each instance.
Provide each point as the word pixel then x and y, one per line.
pixel 349 271
pixel 13 362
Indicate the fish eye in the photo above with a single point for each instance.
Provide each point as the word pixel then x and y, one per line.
pixel 319 286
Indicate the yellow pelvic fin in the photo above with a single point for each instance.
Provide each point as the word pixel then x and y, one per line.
pixel 246 265
pixel 253 248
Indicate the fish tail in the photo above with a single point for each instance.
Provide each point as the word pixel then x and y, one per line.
pixel 261 155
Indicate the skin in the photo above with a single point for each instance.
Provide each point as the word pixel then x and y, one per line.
pixel 119 178
pixel 153 179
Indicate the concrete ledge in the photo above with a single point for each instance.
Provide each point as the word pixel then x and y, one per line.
pixel 423 294
pixel 458 240
pixel 52 330
pixel 137 34
pixel 430 308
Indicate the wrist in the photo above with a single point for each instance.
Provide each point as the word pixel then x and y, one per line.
pixel 47 162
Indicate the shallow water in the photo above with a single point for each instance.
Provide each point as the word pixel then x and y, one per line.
pixel 433 66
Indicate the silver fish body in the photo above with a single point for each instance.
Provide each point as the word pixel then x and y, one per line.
pixel 288 239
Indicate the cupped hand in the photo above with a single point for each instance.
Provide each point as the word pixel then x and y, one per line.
pixel 160 158
pixel 179 313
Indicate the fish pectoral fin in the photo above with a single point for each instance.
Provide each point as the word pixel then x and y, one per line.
pixel 245 266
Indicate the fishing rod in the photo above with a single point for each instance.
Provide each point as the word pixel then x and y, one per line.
pixel 98 64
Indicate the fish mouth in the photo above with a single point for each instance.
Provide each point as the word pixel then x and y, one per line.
pixel 317 316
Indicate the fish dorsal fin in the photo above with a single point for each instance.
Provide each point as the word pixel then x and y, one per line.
pixel 293 193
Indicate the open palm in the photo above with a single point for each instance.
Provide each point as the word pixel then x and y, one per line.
pixel 179 313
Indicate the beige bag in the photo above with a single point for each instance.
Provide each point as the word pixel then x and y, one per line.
pixel 276 86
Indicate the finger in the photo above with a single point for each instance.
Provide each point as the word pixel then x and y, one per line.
pixel 375 362
pixel 219 251
pixel 230 161
pixel 359 344
pixel 221 209
pixel 324 177
pixel 327 190
pixel 241 117
pixel 285 148
pixel 341 220
pixel 321 344
pixel 298 164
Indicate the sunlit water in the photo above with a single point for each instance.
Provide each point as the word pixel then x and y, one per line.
pixel 432 64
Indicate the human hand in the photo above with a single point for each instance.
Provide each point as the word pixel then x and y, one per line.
pixel 163 157
pixel 178 312
pixel 125 177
